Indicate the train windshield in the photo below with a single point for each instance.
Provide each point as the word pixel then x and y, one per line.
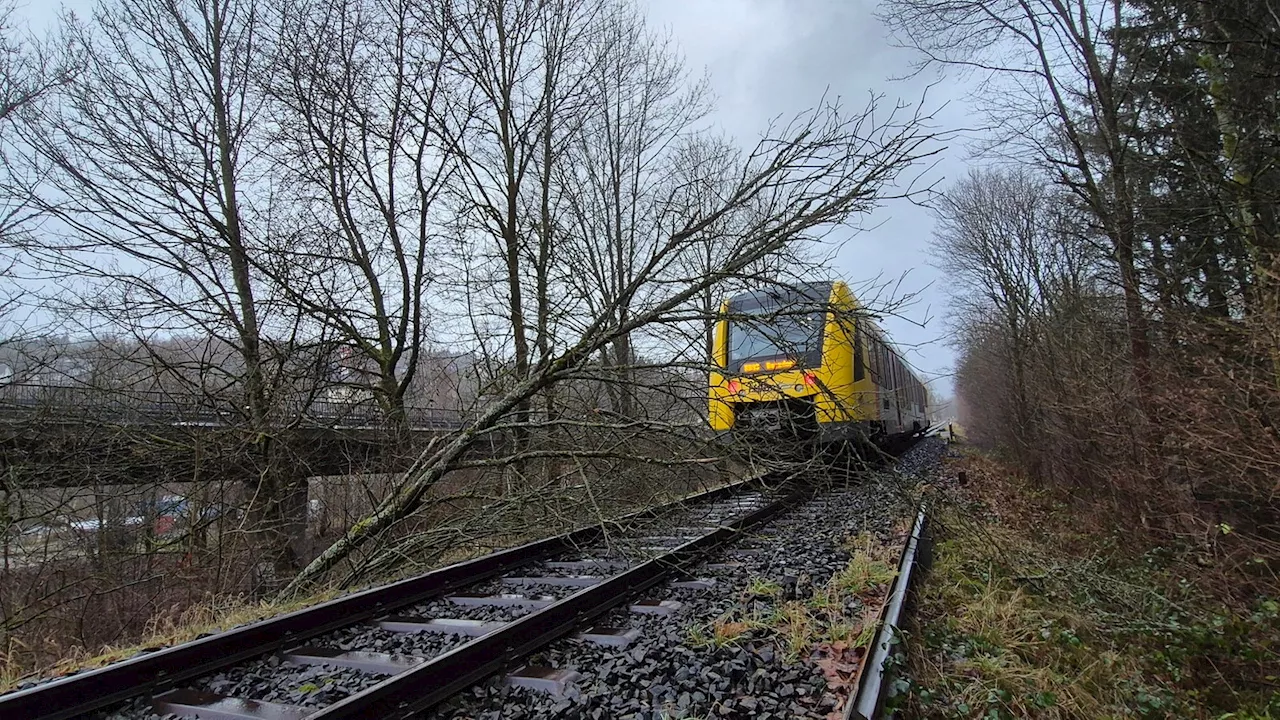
pixel 770 333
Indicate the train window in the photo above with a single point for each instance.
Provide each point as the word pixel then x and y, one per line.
pixel 859 372
pixel 873 353
pixel 873 359
pixel 783 328
pixel 870 351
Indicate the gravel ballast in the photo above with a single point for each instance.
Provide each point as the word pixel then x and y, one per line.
pixel 668 673
pixel 674 669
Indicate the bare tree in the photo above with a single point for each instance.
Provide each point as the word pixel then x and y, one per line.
pixel 29 72
pixel 1142 378
pixel 639 109
pixel 1002 236
pixel 807 177
pixel 356 143
pixel 1060 91
pixel 516 83
pixel 165 205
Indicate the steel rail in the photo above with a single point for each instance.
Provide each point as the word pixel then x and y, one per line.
pixel 436 680
pixel 151 672
pixel 869 698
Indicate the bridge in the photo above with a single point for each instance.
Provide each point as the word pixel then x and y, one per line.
pixel 78 435
pixel 84 404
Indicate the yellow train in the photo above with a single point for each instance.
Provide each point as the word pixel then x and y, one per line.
pixel 800 361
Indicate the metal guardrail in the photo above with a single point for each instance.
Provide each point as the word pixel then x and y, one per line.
pixel 78 404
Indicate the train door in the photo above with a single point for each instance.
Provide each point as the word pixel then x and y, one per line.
pixel 889 393
pixel 900 391
pixel 877 371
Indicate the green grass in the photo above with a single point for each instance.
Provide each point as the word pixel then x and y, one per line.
pixel 1021 617
pixel 799 627
pixel 761 587
pixel 863 574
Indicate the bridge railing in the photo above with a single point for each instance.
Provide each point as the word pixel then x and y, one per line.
pixel 83 403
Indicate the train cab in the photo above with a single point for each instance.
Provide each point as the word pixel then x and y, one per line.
pixel 805 362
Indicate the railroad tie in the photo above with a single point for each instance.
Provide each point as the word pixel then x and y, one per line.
pixel 212 706
pixel 500 600
pixel 370 662
pixel 552 681
pixel 456 626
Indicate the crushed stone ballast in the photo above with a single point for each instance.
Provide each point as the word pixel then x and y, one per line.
pixel 185 677
pixel 595 623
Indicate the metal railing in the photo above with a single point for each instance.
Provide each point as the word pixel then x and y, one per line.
pixel 88 404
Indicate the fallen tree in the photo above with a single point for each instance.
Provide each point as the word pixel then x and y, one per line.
pixel 802 180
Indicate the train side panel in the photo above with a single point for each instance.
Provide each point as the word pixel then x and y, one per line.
pixel 859 389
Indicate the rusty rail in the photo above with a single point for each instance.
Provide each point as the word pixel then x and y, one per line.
pixel 868 700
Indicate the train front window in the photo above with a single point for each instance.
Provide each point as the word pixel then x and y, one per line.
pixel 773 339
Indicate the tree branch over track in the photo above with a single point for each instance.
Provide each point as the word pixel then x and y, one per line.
pixel 802 180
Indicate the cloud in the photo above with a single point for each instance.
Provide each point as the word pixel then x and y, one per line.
pixel 774 58
pixel 770 58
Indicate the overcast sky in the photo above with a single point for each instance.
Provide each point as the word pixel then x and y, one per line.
pixel 770 58
pixel 767 58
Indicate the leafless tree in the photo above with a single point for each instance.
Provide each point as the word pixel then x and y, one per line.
pixel 29 72
pixel 640 109
pixel 1121 340
pixel 1042 364
pixel 513 79
pixel 1059 91
pixel 165 209
pixel 811 175
pixel 354 86
pixel 1004 238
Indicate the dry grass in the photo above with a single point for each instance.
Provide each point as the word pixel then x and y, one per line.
pixel 186 623
pixel 180 623
pixel 1029 611
pixel 1008 651
pixel 164 630
pixel 872 566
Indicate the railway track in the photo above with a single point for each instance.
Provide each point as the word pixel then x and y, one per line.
pixel 545 589
pixel 405 648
